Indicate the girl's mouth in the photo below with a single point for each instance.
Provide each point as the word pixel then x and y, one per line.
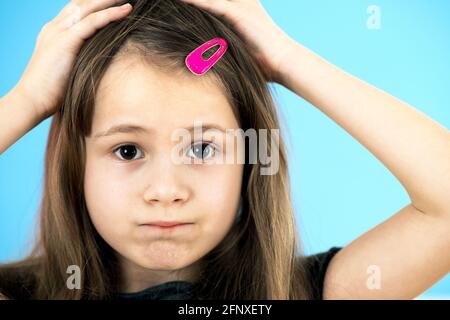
pixel 167 225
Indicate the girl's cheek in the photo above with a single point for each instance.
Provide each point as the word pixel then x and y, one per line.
pixel 102 191
pixel 224 193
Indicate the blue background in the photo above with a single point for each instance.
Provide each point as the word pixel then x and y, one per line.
pixel 340 189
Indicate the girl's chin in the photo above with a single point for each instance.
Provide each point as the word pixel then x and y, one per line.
pixel 161 262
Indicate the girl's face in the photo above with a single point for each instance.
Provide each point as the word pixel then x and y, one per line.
pixel 131 179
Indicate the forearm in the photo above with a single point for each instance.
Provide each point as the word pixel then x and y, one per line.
pixel 411 145
pixel 17 117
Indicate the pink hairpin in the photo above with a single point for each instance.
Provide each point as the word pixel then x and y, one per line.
pixel 195 62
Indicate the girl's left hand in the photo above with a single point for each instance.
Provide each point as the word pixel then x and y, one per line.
pixel 268 42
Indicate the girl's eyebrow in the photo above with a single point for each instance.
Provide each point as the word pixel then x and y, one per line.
pixel 130 128
pixel 122 128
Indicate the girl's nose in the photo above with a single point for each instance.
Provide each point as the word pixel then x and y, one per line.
pixel 166 186
pixel 165 195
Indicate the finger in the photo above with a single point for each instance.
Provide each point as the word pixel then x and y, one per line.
pixel 218 7
pixel 97 20
pixel 86 7
pixel 77 10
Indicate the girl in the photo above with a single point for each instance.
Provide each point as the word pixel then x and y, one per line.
pixel 116 97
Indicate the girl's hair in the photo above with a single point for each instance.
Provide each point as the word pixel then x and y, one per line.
pixel 258 258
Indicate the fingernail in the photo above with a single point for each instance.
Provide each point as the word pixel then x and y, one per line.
pixel 125 6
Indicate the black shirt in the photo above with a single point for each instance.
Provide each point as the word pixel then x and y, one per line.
pixel 316 267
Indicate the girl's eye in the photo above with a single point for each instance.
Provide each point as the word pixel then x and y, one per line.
pixel 201 152
pixel 127 152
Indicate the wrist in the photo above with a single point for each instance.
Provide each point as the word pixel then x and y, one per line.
pixel 289 57
pixel 20 99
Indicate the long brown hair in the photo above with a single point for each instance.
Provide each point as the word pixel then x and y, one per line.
pixel 259 257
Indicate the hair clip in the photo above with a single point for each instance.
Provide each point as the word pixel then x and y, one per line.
pixel 195 62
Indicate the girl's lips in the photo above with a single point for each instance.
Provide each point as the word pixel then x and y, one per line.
pixel 166 224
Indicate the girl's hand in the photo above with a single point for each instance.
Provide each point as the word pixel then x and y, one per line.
pixel 45 79
pixel 268 42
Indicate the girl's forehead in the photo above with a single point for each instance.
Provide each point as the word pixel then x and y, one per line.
pixel 132 89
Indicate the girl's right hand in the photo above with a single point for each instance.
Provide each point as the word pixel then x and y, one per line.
pixel 45 79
